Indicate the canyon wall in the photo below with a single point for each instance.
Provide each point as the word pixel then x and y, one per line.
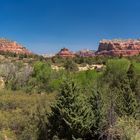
pixel 12 46
pixel 119 47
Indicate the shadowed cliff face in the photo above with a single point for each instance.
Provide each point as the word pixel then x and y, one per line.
pixel 119 47
pixel 12 46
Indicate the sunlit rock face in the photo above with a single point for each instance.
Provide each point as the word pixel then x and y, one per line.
pixel 117 47
pixel 65 53
pixel 12 46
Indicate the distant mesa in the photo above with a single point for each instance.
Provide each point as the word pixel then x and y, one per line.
pixel 64 52
pixel 7 45
pixel 119 47
pixel 114 47
pixel 85 53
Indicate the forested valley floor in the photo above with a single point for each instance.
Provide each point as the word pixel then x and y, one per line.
pixel 41 103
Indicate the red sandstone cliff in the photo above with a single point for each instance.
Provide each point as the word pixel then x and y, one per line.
pixel 116 47
pixel 12 46
pixel 65 53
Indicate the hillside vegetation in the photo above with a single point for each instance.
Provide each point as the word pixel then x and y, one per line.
pixel 41 103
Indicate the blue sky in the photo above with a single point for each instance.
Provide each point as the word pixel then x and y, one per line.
pixel 45 26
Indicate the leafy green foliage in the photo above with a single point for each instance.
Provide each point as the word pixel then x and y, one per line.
pixel 70 65
pixel 119 95
pixel 90 104
pixel 40 77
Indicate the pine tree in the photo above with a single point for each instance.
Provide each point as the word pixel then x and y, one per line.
pixel 71 116
pixel 126 101
pixel 97 109
pixel 119 78
pixel 132 77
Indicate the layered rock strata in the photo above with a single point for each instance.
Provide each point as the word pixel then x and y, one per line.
pixel 12 46
pixel 128 47
pixel 65 53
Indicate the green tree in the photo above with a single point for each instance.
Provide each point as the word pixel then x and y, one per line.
pixel 70 65
pixel 132 77
pixel 39 80
pixel 126 101
pixel 119 75
pixel 96 102
pixel 120 100
pixel 71 116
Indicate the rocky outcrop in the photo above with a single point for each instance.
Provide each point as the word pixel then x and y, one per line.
pixel 12 46
pixel 65 53
pixel 85 53
pixel 128 47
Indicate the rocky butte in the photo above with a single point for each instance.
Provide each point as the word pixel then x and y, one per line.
pixel 12 46
pixel 65 53
pixel 119 47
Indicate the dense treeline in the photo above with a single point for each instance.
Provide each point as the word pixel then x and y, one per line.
pixel 21 56
pixel 39 77
pixel 71 104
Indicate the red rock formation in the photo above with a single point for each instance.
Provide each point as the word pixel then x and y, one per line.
pixel 116 47
pixel 12 46
pixel 65 53
pixel 85 53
